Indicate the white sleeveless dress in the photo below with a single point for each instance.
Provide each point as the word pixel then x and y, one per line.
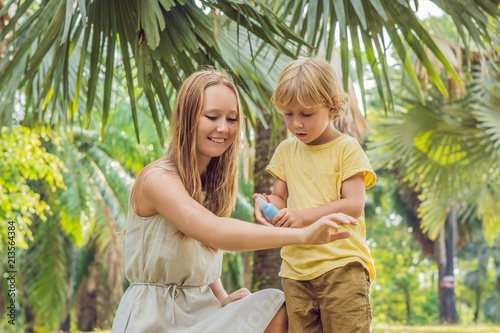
pixel 169 290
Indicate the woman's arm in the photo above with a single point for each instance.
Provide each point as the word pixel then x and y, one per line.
pixel 222 296
pixel 163 192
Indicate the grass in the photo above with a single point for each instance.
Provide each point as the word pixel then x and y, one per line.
pixel 414 329
pixel 440 329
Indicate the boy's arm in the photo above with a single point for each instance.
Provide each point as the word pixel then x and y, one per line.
pixel 280 194
pixel 351 202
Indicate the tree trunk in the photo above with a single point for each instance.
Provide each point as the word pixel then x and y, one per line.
pixel 497 263
pixel 66 324
pixel 408 305
pixel 87 303
pixel 447 299
pixel 496 258
pixel 29 319
pixel 266 262
pixel 247 269
pixel 478 305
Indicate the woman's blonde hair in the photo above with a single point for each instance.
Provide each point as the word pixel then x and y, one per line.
pixel 310 82
pixel 220 181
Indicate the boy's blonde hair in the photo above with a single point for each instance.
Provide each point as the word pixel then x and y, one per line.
pixel 310 82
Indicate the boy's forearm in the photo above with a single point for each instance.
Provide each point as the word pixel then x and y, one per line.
pixel 350 207
pixel 277 201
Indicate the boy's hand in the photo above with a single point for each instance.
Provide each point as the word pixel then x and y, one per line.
pixel 259 214
pixel 289 218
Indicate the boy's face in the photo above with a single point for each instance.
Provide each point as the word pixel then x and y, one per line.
pixel 311 126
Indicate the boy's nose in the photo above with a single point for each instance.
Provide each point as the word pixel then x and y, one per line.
pixel 297 124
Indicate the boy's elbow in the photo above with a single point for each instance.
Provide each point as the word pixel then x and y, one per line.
pixel 357 212
pixel 356 209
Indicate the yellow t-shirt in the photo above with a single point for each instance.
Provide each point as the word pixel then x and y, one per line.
pixel 314 176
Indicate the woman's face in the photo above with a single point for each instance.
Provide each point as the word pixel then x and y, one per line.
pixel 218 123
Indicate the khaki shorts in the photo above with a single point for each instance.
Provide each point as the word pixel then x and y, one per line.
pixel 335 302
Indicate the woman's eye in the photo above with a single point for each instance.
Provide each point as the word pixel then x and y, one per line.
pixel 211 117
pixel 232 120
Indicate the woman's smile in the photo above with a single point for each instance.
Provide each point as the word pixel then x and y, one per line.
pixel 217 140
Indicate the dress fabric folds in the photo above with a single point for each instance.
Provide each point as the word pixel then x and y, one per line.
pixel 169 292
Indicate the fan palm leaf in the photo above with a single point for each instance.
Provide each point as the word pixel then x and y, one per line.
pixel 371 26
pixel 83 233
pixel 45 274
pixel 134 29
pixel 444 152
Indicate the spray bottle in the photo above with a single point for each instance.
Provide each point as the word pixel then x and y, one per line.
pixel 267 207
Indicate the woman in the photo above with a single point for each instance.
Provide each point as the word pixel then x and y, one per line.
pixel 179 221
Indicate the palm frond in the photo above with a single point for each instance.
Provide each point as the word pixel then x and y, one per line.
pixel 45 274
pixel 76 198
pixel 109 182
pixel 187 36
pixel 442 150
pixel 318 22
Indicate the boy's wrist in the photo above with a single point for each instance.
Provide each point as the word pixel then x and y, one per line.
pixel 303 216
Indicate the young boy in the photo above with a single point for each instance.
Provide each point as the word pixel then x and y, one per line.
pixel 318 172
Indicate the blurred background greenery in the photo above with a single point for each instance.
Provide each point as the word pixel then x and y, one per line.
pixel 87 88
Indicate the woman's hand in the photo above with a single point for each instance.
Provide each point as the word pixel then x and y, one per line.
pixel 320 231
pixel 238 294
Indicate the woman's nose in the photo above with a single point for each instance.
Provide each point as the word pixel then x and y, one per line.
pixel 222 126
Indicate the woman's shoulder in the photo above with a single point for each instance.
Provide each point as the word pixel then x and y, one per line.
pixel 155 175
pixel 159 174
pixel 151 183
pixel 156 169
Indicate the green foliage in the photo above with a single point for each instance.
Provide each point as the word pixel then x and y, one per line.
pixel 59 52
pixel 87 191
pixel 492 307
pixel 76 43
pixel 23 161
pixel 368 27
pixel 404 291
pixel 45 273
pixel 233 266
pixel 479 274
pixel 442 150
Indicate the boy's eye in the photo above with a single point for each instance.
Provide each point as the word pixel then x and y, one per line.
pixel 211 117
pixel 288 114
pixel 307 114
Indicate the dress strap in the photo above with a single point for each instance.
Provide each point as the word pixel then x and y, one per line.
pixel 171 290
